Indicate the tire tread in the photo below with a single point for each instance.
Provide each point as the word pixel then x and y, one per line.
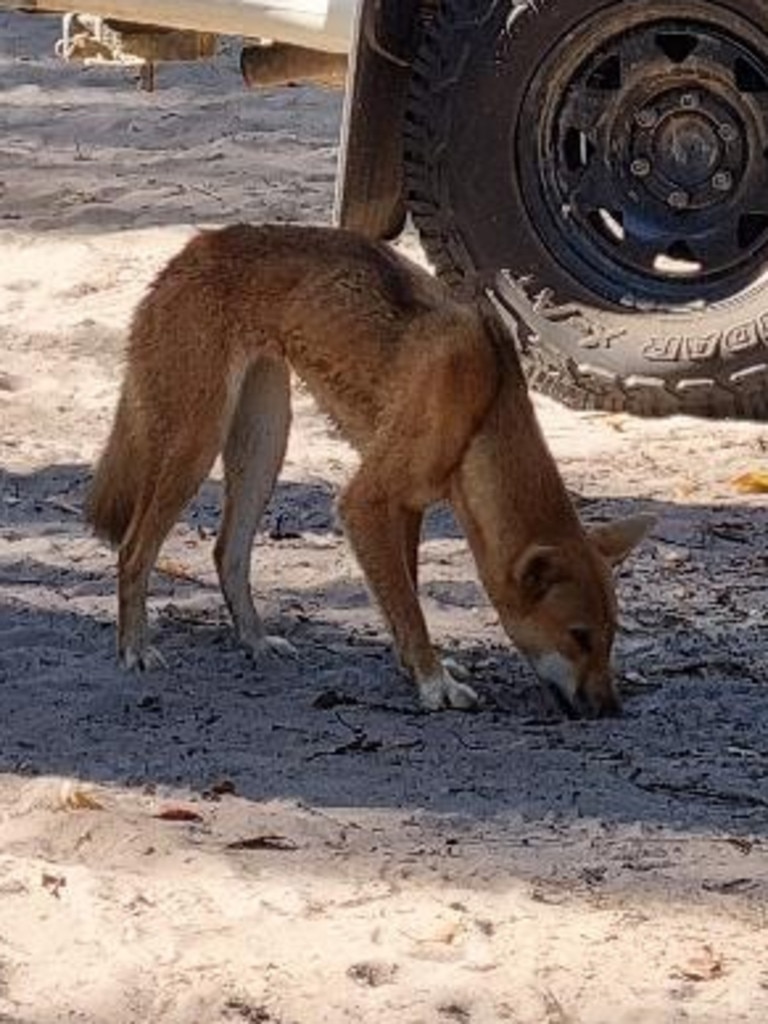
pixel 446 47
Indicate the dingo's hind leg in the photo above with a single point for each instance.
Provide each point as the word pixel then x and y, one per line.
pixel 168 485
pixel 253 455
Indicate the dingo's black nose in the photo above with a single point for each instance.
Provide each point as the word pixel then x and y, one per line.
pixel 583 705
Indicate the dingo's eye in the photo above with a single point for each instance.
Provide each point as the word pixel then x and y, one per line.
pixel 582 638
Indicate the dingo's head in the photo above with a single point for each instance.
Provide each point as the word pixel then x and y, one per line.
pixel 567 613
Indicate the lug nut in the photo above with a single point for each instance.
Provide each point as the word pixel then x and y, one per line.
pixel 722 181
pixel 688 100
pixel 726 132
pixel 641 167
pixel 677 199
pixel 647 117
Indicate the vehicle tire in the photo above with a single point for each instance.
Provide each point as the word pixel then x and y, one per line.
pixel 370 192
pixel 605 164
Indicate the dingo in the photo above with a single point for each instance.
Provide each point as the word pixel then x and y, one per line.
pixel 429 392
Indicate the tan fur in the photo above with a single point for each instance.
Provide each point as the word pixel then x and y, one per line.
pixel 113 495
pixel 428 391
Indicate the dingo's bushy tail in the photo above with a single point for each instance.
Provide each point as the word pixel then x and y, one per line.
pixel 116 481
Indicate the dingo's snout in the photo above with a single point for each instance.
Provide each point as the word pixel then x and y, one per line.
pixel 592 697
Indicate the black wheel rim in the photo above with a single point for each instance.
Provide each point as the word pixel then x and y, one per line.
pixel 648 178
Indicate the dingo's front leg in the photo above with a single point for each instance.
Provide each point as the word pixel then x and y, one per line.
pixel 382 535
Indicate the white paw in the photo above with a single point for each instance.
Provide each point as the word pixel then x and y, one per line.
pixel 145 659
pixel 268 646
pixel 443 691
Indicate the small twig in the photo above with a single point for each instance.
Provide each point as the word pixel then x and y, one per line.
pixel 554 1010
pixel 64 506
pixel 206 192
pixel 362 745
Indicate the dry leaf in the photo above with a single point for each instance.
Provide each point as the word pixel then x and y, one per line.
pixel 179 814
pixel 730 885
pixel 53 883
pixel 751 483
pixel 225 787
pixel 443 933
pixel 74 798
pixel 443 943
pixel 686 489
pixel 618 423
pixel 263 843
pixel 83 838
pixel 372 973
pixel 705 966
pixel 742 844
pixel 174 569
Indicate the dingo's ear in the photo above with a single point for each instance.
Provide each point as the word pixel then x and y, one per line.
pixel 536 570
pixel 616 540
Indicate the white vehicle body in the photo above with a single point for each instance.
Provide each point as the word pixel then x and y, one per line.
pixel 318 24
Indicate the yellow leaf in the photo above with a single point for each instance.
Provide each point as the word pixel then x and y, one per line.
pixel 751 483
pixel 73 798
pixel 175 570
